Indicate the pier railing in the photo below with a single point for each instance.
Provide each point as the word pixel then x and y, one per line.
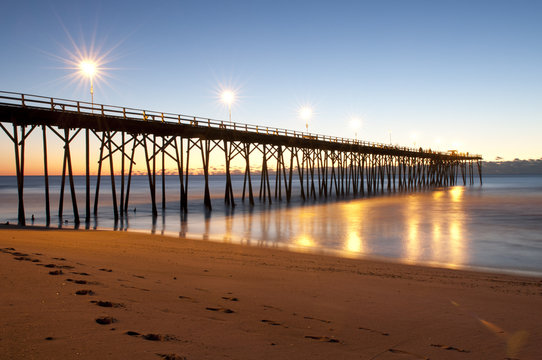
pixel 73 106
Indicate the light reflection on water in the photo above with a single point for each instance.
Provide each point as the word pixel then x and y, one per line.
pixel 498 225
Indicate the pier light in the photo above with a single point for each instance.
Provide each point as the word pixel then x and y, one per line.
pixel 355 124
pixel 438 142
pixel 456 145
pixel 228 98
pixel 414 137
pixel 305 113
pixel 89 68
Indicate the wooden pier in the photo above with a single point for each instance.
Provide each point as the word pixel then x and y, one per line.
pixel 325 166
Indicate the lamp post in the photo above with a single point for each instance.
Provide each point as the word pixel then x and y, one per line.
pixel 89 69
pixel 305 113
pixel 355 123
pixel 228 97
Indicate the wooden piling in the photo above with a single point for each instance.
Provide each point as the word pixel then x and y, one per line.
pixel 70 176
pixel 46 177
pixel 112 175
pixel 87 175
pixel 19 169
pixel 204 145
pixel 99 174
pixel 121 207
pixel 150 178
pixel 163 174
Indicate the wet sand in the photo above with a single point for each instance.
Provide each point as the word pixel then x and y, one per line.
pixel 116 295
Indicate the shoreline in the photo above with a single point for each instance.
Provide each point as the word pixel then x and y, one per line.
pixel 204 299
pixel 300 250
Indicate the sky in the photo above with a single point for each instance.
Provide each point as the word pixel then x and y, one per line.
pixel 462 75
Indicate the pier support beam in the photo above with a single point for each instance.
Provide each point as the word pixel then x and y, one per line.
pixel 19 169
pixel 46 178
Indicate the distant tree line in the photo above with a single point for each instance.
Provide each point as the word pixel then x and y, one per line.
pixel 516 167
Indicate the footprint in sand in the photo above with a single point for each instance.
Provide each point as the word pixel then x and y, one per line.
pixel 134 287
pixel 58 266
pixel 171 357
pixel 403 352
pixel 56 272
pixel 230 298
pixel 274 323
pixel 79 282
pixel 374 331
pixel 271 322
pixel 159 337
pixel 322 338
pixel 106 270
pixel 188 298
pixel 16 253
pixel 446 347
pixel 108 304
pixel 80 273
pixel 83 282
pixel 106 320
pixel 152 337
pixel 224 310
pixel 312 318
pixel 84 292
pixel 24 258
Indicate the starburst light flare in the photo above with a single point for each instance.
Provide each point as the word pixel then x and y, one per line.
pixel 305 113
pixel 355 124
pixel 88 67
pixel 228 98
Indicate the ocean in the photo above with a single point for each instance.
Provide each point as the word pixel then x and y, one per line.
pixel 493 227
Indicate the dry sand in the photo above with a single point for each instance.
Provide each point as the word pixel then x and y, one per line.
pixel 175 298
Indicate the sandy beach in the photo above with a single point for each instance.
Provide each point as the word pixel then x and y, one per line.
pixel 117 295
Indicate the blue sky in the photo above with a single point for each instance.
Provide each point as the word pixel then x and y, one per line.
pixel 438 74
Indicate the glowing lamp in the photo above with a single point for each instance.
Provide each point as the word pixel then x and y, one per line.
pixel 88 68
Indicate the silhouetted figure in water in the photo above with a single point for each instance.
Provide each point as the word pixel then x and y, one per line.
pixel 135 209
pixel 33 218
